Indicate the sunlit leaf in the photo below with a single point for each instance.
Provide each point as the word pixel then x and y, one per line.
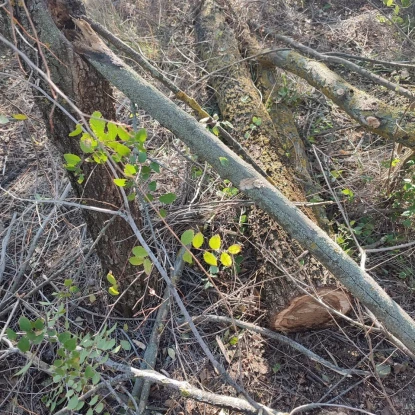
pixel 111 279
pixel 224 161
pixel 77 131
pixel 225 259
pixel 88 144
pixel 139 251
pixel 71 159
pixel 215 242
pixel 140 136
pixel 120 182
pixel 113 291
pixel 19 117
pixel 234 249
pixel 130 170
pixel 122 150
pixel 136 261
pixel 123 134
pixel 210 258
pixel 148 265
pixel 187 257
pixel 198 240
pixel 97 124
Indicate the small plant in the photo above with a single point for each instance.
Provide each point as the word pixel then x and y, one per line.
pixel 78 358
pixel 256 122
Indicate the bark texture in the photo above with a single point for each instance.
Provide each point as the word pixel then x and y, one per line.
pixel 391 123
pixel 274 144
pixel 90 91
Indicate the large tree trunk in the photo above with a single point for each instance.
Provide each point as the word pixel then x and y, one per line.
pixel 90 92
pixel 239 102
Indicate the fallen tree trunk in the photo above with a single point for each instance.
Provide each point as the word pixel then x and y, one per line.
pixel 391 123
pixel 270 199
pixel 240 102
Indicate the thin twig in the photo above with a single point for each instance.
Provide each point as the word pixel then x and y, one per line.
pixel 284 340
pixel 142 389
pixel 4 246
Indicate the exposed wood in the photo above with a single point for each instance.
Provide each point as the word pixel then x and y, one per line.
pixel 305 312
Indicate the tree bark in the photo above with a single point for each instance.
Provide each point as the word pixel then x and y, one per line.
pixel 91 92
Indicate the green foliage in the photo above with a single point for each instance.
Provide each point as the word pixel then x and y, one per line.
pixel 397 17
pixel 224 257
pixel 112 140
pixel 77 361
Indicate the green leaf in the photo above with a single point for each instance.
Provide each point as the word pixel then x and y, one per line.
pixel 210 258
pixel 140 252
pixel 234 249
pixel 97 124
pixel 187 257
pixel 89 372
pixel 3 120
pixel 63 337
pixel 125 345
pixel 233 340
pixel 257 121
pixel 71 159
pixel 94 400
pixel 131 197
pixel 149 197
pixel 114 291
pixel 19 117
pixel 213 270
pixel 224 161
pixel 198 240
pixel 77 131
pixel 67 283
pixel 155 166
pixel 111 279
pixel 96 378
pixel 88 144
pixel 136 261
pixel 215 242
pixel 98 409
pixel 163 213
pixel 11 335
pixel 25 324
pixel 90 412
pixel 168 198
pixel 120 182
pixel 187 237
pixel 130 170
pixel 112 132
pixel 142 157
pixel 225 259
pixel 148 265
pixel 70 344
pixel 152 186
pixel 80 405
pixel 140 136
pixel 23 345
pixel 123 134
pixel 73 402
pixel 122 150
